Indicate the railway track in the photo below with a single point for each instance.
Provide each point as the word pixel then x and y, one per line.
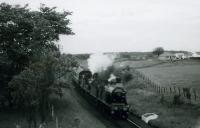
pixel 135 124
pixel 131 122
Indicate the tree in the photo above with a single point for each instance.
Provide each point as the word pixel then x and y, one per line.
pixel 158 51
pixel 26 36
pixel 26 33
pixel 31 89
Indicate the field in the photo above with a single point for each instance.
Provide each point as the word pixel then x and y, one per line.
pixel 144 99
pixel 139 63
pixel 170 115
pixel 179 74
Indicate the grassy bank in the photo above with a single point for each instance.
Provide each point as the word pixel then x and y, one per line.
pixel 68 111
pixel 145 100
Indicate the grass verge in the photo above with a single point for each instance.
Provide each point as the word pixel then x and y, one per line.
pixel 144 100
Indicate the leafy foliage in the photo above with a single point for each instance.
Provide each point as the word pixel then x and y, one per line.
pixel 31 65
pixel 127 76
pixel 33 86
pixel 177 100
pixel 25 34
pixel 158 51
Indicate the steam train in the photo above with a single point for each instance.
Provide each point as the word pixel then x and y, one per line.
pixel 109 96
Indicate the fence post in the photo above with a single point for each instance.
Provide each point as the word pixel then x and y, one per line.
pixel 52 112
pixel 165 89
pixel 175 89
pixel 179 91
pixel 195 95
pixel 156 88
pixel 57 126
pixel 159 88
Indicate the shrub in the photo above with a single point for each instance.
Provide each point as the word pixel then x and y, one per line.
pixel 162 99
pixel 126 77
pixel 177 100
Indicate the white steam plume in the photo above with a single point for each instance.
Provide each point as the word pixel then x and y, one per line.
pixel 99 62
pixel 112 77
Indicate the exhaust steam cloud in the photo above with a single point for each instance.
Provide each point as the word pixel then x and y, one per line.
pixel 99 62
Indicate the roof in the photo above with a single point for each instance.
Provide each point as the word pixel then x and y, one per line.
pixel 165 54
pixel 196 54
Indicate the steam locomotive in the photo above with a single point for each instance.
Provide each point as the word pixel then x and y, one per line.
pixel 110 96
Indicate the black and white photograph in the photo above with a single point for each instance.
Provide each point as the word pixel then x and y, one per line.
pixel 99 63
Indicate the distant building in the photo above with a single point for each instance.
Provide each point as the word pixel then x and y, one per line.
pixel 167 56
pixel 195 55
pixel 180 55
pixel 175 55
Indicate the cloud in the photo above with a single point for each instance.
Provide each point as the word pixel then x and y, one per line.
pixel 131 25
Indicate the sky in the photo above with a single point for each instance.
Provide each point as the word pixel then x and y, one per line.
pixel 127 25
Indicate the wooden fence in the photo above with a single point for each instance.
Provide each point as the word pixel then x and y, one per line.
pixel 188 94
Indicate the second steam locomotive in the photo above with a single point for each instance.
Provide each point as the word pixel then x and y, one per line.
pixel 109 96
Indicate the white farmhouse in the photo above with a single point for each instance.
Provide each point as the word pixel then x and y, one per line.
pixel 195 54
pixel 180 56
pixel 167 56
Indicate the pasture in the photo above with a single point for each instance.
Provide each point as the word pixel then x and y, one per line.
pixel 138 63
pixel 144 98
pixel 180 74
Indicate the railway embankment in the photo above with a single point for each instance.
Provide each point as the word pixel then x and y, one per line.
pixel 69 112
pixel 73 111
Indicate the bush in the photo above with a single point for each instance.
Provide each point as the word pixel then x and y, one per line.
pixel 126 77
pixel 162 99
pixel 177 100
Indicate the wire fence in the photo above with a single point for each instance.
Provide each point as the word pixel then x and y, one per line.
pixel 188 94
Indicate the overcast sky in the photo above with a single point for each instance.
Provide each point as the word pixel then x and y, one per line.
pixel 128 25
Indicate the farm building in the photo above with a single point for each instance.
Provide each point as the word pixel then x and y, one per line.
pixel 167 56
pixel 195 55
pixel 180 56
pixel 174 55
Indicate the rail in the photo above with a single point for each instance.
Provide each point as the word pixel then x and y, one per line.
pixel 132 122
